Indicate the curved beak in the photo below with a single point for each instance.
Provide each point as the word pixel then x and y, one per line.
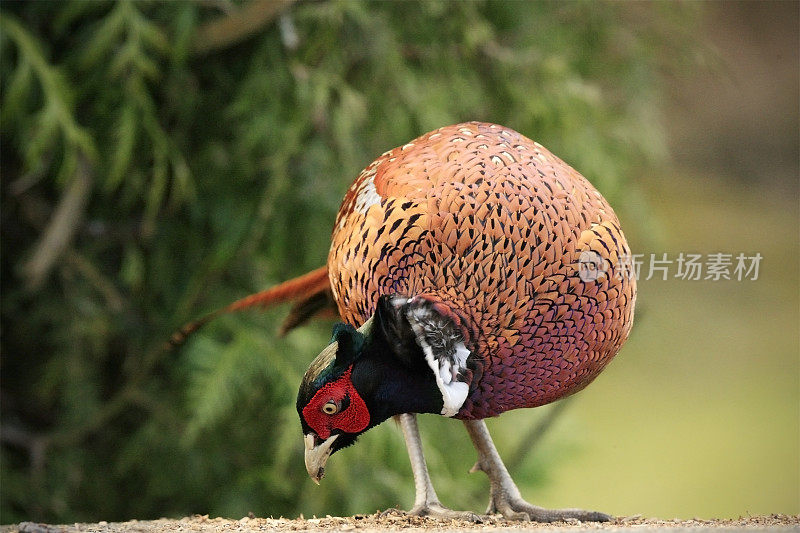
pixel 317 456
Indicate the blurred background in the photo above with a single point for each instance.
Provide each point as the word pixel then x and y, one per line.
pixel 160 160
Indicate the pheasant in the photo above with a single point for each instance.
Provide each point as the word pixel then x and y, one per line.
pixel 475 273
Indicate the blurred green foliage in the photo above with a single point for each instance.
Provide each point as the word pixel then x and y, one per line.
pixel 149 177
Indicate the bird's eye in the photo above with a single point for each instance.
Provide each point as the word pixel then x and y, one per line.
pixel 330 408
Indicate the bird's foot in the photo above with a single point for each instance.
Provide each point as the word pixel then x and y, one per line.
pixel 515 508
pixel 435 509
pixel 505 497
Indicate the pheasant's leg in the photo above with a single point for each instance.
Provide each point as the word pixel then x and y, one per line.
pixel 426 503
pixel 505 496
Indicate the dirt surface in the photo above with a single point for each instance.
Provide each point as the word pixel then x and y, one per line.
pixel 394 521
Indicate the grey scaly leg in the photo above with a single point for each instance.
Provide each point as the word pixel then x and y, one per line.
pixel 426 503
pixel 505 497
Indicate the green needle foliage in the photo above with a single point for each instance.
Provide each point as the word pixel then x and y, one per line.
pixel 152 173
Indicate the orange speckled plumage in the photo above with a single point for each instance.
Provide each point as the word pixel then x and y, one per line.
pixel 492 225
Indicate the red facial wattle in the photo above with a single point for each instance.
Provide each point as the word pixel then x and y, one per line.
pixel 354 418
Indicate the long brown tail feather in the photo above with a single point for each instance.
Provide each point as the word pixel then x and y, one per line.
pixel 311 291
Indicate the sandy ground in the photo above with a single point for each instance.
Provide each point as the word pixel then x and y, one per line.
pixel 393 521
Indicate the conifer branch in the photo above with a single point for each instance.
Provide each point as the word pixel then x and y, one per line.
pixel 237 25
pixel 62 227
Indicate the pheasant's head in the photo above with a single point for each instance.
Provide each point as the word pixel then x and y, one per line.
pixel 332 412
pixel 363 377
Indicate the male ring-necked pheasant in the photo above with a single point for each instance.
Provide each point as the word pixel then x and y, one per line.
pixel 458 257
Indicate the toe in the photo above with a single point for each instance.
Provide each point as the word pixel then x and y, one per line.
pixel 517 516
pixel 437 510
pixel 595 516
pixel 518 509
pixel 583 516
